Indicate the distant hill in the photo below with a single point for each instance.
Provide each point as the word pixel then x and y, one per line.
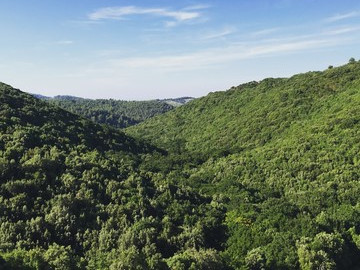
pixel 116 113
pixel 66 97
pixel 177 101
pixel 38 96
pixel 286 153
pixel 58 97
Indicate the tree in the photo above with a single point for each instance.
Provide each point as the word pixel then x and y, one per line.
pixel 322 252
pixel 60 257
pixel 255 259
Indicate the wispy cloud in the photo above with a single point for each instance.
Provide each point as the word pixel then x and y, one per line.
pixel 64 42
pixel 84 22
pixel 343 16
pixel 214 56
pixel 197 7
pixel 341 30
pixel 222 33
pixel 120 13
pixel 264 32
pixel 249 45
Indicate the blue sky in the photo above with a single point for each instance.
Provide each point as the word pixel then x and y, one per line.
pixel 156 49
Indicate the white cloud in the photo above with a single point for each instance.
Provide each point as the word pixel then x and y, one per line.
pixel 339 17
pixel 64 42
pixel 197 7
pixel 223 55
pixel 341 30
pixel 224 32
pixel 264 32
pixel 120 13
pixel 84 22
pixel 171 23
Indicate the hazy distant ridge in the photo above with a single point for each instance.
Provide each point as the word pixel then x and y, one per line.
pixel 116 113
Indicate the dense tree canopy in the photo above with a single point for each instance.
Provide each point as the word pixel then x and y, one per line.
pixel 262 176
pixel 115 113
pixel 73 196
pixel 286 154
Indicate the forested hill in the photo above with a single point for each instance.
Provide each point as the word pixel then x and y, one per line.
pixel 115 113
pixel 285 152
pixel 255 113
pixel 75 195
pixel 33 123
pixel 262 176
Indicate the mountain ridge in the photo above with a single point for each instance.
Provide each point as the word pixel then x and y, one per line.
pixel 199 107
pixel 179 100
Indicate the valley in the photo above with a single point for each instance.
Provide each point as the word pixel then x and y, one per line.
pixel 264 175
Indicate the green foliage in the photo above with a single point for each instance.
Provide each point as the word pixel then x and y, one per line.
pixel 115 113
pixel 59 257
pixel 322 252
pixel 263 176
pixel 193 259
pixel 255 259
pixel 352 60
pixel 73 195
pixel 285 154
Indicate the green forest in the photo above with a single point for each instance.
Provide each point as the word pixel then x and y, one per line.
pixel 116 113
pixel 264 175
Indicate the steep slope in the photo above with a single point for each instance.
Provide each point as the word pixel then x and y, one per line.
pixel 36 124
pixel 73 196
pixel 285 152
pixel 249 115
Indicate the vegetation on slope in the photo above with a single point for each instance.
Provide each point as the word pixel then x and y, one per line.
pixel 115 113
pixel 285 152
pixel 73 195
pixel 263 176
pixel 249 115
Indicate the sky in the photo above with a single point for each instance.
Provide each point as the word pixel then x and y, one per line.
pixel 142 49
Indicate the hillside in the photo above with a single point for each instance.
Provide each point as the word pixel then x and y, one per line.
pixel 74 195
pixel 285 153
pixel 262 176
pixel 251 114
pixel 115 113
